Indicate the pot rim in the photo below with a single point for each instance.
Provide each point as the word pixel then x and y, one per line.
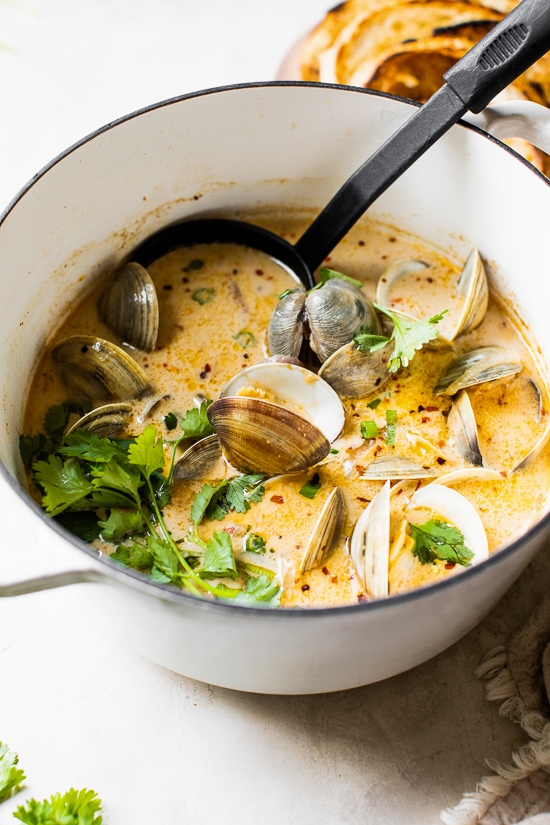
pixel 170 593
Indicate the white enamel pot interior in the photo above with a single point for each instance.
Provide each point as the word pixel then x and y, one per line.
pixel 279 146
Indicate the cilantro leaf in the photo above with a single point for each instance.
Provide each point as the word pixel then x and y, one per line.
pixel 71 808
pixel 57 416
pixel 439 540
pixel 260 589
pixel 244 489
pixel 327 274
pixel 170 421
pixel 64 483
pixel 81 523
pixel 409 335
pixel 196 423
pixel 203 498
pixel 368 342
pixel 219 561
pixel 120 523
pixel 10 775
pixel 146 452
pixel 133 555
pixel 164 559
pixel 90 447
pixel 115 476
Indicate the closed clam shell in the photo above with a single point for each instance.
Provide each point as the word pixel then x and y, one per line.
pixel 285 331
pixel 326 532
pixel 263 437
pixel 353 373
pixel 477 367
pixel 130 309
pixel 97 370
pixel 335 313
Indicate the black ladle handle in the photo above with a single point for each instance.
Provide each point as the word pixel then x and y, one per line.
pixel 514 44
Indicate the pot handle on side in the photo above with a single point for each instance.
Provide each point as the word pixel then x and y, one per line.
pixel 32 556
pixel 515 119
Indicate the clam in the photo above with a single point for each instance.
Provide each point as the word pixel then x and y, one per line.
pixel 392 274
pixel 199 459
pixel 353 373
pixel 276 418
pixel 285 331
pixel 472 284
pixel 534 452
pixel 333 313
pixel 476 367
pixel 395 468
pixel 458 511
pixel 326 532
pixel 130 309
pixel 463 429
pixel 106 421
pixel 370 545
pixel 97 370
pixel 336 312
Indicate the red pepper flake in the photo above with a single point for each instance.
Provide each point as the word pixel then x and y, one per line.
pixel 185 280
pixel 361 597
pixel 449 565
pixel 326 571
pixel 421 408
pixel 334 580
pixel 229 530
pixel 259 272
pixel 392 239
pixel 432 409
pixel 277 499
pixel 364 500
pixel 360 469
pixel 207 368
pixel 168 287
pixel 441 460
pixel 360 243
pixel 425 419
pixel 305 588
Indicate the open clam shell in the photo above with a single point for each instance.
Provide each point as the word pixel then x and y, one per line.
pixel 352 373
pixel 395 468
pixel 398 269
pixel 326 532
pixel 472 284
pixel 199 459
pixel 297 387
pixel 97 370
pixel 106 421
pixel 463 429
pixel 370 545
pixel 458 511
pixel 476 367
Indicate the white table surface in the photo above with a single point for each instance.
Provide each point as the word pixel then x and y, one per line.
pixel 79 707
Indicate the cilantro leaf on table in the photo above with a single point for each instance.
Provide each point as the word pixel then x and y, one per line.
pixel 71 808
pixel 11 776
pixel 219 561
pixel 438 540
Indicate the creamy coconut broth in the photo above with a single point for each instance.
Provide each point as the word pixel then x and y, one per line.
pixel 215 303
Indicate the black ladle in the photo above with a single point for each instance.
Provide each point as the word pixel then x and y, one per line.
pixel 514 44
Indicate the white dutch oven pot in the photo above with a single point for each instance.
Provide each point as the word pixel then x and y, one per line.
pixel 279 145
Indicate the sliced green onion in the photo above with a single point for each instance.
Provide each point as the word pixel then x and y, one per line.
pixel 391 427
pixel 369 429
pixel 334 451
pixel 254 543
pixel 312 487
pixel 245 338
pixel 204 295
pixel 374 403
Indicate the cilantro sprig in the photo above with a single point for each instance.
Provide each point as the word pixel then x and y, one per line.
pixel 408 334
pixel 437 540
pixel 75 807
pixel 11 776
pixel 117 490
